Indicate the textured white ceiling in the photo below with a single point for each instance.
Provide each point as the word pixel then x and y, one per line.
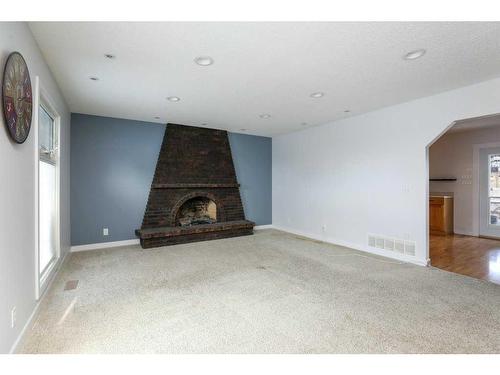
pixel 261 68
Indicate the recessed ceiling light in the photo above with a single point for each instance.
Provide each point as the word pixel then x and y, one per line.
pixel 243 130
pixel 347 111
pixel 317 94
pixel 157 118
pixel 413 55
pixel 173 98
pixel 94 78
pixel 109 56
pixel 204 124
pixel 265 115
pixel 204 60
pixel 303 123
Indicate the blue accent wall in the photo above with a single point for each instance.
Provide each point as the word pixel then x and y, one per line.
pixel 112 166
pixel 252 157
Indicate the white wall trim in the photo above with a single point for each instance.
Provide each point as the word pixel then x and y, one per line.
pixel 261 227
pixel 427 191
pixel 103 245
pixel 34 314
pixel 366 249
pixel 465 233
pixel 36 103
pixel 44 99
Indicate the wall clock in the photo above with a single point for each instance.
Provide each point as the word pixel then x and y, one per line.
pixel 17 97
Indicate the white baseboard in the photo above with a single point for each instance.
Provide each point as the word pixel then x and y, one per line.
pixel 32 318
pixel 465 233
pixel 366 249
pixel 261 227
pixel 103 245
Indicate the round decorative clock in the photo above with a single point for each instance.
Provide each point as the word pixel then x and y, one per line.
pixel 17 97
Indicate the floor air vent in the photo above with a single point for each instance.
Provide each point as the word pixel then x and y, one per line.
pixel 399 246
pixel 410 248
pixel 392 244
pixel 372 241
pixel 389 244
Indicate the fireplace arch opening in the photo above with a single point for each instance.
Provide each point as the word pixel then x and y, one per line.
pixel 196 211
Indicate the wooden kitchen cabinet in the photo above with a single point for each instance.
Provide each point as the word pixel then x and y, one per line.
pixel 441 214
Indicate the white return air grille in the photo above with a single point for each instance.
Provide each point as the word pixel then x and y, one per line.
pixel 392 244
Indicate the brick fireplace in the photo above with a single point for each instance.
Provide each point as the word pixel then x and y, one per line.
pixel 194 195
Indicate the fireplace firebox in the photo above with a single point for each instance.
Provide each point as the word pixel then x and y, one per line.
pixel 196 211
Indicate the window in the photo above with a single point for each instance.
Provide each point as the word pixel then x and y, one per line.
pixel 48 193
pixel 494 189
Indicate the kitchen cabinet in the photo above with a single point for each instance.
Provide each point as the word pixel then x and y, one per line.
pixel 441 214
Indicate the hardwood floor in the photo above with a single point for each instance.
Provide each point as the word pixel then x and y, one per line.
pixel 466 255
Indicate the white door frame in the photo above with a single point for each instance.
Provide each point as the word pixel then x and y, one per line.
pixel 476 168
pixel 426 203
pixel 42 97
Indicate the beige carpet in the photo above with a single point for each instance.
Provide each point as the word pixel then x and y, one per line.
pixel 268 293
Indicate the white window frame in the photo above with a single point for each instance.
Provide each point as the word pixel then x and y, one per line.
pixel 42 98
pixel 488 219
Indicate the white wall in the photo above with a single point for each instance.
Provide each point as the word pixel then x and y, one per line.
pixel 368 173
pixel 452 155
pixel 17 192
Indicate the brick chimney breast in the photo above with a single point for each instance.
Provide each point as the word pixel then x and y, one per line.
pixel 194 175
